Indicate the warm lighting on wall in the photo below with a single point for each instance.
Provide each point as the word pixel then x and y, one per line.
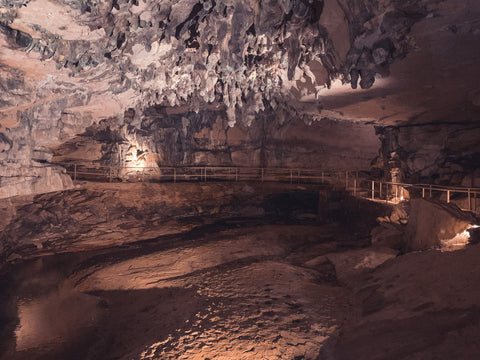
pixel 139 159
pixel 139 163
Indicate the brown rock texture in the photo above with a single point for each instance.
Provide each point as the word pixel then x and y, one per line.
pixel 68 65
pixel 432 224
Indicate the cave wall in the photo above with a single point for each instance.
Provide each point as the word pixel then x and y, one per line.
pixel 238 81
pixel 204 138
pixel 444 154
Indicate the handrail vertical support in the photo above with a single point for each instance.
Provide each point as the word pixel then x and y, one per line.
pixel 354 187
pixel 174 175
pixel 448 196
pixel 380 190
pixel 205 174
pixel 396 194
pixel 423 192
pixel 475 202
pixel 430 191
pixel 373 190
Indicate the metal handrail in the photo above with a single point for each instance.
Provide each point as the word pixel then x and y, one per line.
pixel 349 179
pixel 472 192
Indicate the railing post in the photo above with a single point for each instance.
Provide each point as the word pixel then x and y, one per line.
pixel 469 203
pixel 430 191
pixel 354 187
pixel 373 190
pixel 423 192
pixel 75 172
pixel 174 175
pixel 448 196
pixel 380 195
pixel 205 174
pixel 475 202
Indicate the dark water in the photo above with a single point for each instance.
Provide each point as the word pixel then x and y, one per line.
pixel 43 317
pixel 39 317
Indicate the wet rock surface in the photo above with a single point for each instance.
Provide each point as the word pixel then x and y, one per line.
pixel 243 289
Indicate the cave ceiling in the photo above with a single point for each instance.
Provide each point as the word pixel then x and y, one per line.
pixel 388 62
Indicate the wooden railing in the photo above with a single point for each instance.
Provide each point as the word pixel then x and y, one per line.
pixel 354 181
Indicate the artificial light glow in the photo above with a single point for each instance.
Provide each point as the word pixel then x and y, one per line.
pixel 138 159
pixel 459 241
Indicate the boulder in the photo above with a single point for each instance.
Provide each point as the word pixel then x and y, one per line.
pixel 388 235
pixel 433 224
pixel 352 263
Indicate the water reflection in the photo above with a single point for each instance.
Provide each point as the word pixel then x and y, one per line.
pixel 40 318
pixel 60 317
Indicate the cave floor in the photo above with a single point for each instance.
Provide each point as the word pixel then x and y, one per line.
pixel 235 294
pixel 245 290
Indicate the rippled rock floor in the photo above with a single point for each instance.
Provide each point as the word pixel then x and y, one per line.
pixel 255 288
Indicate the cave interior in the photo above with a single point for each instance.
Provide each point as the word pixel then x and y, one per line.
pixel 228 179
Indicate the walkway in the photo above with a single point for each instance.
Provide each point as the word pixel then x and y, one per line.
pixel 356 182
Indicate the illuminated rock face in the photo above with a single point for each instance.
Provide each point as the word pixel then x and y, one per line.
pixel 65 65
pixel 205 139
pixel 433 225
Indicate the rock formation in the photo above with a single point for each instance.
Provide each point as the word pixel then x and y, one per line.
pixel 262 64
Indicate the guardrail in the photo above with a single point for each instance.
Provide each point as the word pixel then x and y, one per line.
pixel 204 173
pixel 464 197
pixel 353 181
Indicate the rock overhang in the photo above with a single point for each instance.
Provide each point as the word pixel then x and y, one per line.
pixel 240 55
pixel 65 65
